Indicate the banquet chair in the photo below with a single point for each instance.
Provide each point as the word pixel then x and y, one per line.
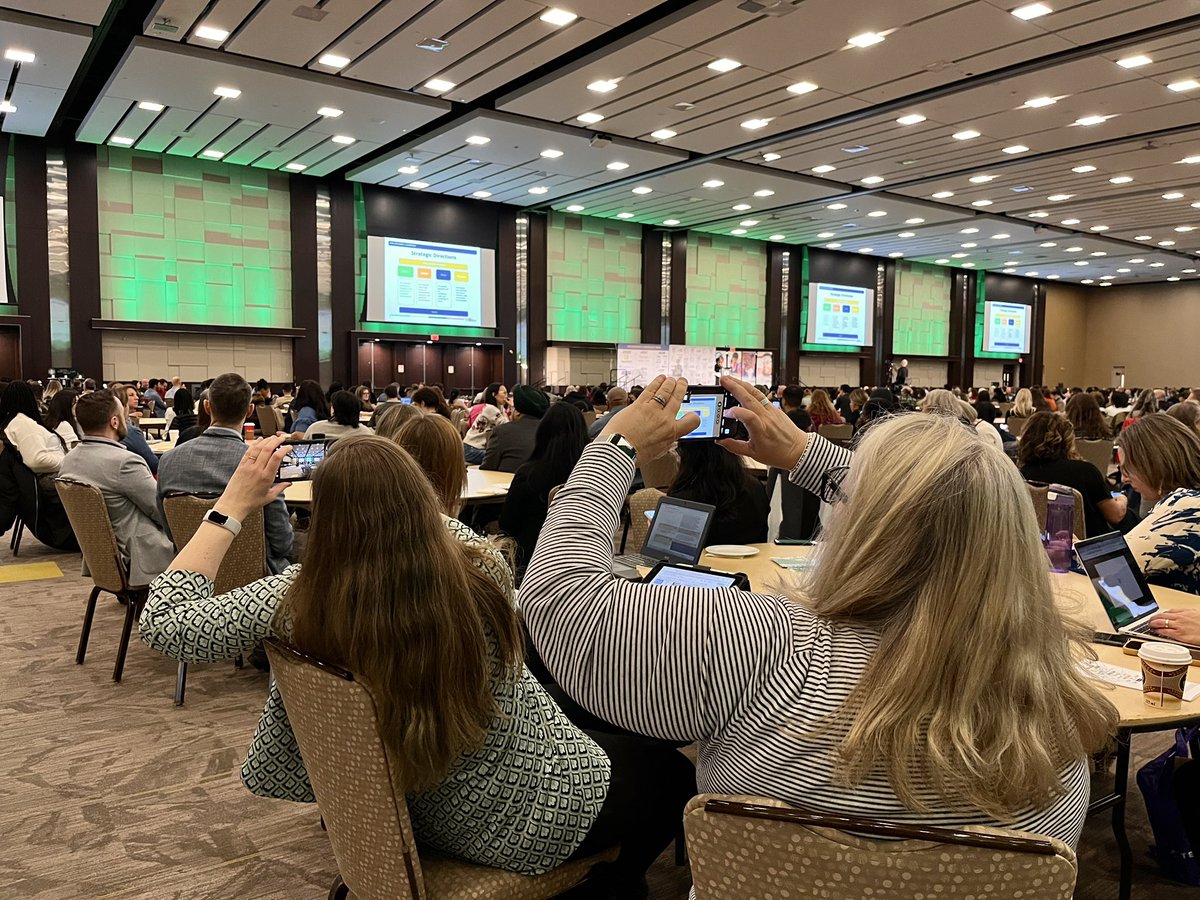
pixel 758 847
pixel 1038 493
pixel 88 514
pixel 336 724
pixel 244 562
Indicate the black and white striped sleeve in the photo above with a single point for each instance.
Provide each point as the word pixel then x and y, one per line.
pixel 819 456
pixel 671 662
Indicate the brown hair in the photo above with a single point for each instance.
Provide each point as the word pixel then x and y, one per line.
pixel 415 616
pixel 434 443
pixel 1083 412
pixel 1047 436
pixel 1162 452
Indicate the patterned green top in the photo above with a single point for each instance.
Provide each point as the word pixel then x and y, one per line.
pixel 523 801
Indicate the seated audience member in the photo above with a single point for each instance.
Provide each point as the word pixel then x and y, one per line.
pixel 1146 404
pixel 41 449
pixel 393 417
pixel 1088 422
pixel 427 617
pixel 1119 403
pixel 708 474
pixel 60 417
pixel 618 399
pixel 134 440
pixel 510 443
pixel 182 414
pixel 308 408
pixel 560 440
pixel 343 422
pixel 389 399
pixel 485 416
pixel 1047 455
pixel 363 393
pixel 430 400
pixel 204 464
pixel 1160 457
pixel 1022 407
pixel 821 411
pixel 835 699
pixel 126 483
pixel 1187 413
pixel 156 403
pixel 791 401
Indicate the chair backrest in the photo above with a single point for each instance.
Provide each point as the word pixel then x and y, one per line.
pixel 336 724
pixel 270 420
pixel 836 432
pixel 661 472
pixel 1098 453
pixel 1016 426
pixel 88 514
pixel 640 503
pixel 1039 492
pixel 246 559
pixel 756 847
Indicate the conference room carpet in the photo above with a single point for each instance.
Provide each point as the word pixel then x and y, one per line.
pixel 111 791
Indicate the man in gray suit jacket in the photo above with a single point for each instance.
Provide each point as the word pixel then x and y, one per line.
pixel 205 464
pixel 126 483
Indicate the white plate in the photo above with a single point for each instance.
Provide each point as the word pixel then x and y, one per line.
pixel 734 550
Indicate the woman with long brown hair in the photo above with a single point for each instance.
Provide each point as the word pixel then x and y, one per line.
pixel 424 614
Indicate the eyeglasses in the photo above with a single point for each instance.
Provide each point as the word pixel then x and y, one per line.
pixel 831 485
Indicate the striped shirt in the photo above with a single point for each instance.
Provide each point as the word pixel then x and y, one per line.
pixel 750 677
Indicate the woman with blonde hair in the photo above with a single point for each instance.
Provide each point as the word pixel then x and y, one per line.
pixel 434 443
pixel 945 693
pixel 425 615
pixel 1022 407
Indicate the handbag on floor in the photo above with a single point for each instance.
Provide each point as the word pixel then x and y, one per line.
pixel 1170 785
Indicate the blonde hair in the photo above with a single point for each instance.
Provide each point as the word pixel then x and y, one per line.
pixel 1162 451
pixel 413 614
pixel 436 446
pixel 973 690
pixel 1022 407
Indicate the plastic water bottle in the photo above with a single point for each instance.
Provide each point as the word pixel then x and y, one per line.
pixel 1060 523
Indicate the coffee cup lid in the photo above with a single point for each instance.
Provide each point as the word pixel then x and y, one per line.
pixel 1164 653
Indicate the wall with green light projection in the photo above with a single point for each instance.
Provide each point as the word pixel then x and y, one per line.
pixel 726 291
pixel 922 310
pixel 593 280
pixel 193 242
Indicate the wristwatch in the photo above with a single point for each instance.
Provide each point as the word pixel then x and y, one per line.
pixel 618 441
pixel 233 526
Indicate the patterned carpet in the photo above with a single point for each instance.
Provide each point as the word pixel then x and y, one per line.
pixel 109 791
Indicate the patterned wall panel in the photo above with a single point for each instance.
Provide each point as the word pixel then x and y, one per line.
pixel 594 280
pixel 726 291
pixel 922 310
pixel 191 241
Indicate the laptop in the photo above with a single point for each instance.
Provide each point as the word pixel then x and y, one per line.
pixel 1119 582
pixel 677 534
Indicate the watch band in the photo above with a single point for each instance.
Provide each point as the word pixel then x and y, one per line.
pixel 233 526
pixel 618 441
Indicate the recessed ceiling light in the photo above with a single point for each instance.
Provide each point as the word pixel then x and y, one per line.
pixel 1048 244
pixel 866 250
pixel 151 106
pixel 575 207
pixel 551 154
pixel 554 16
pixel 231 92
pixel 959 255
pixel 802 87
pixel 907 234
pixel 827 234
pixel 713 183
pixel 866 39
pixel 911 119
pixel 409 170
pixel 1059 198
pixel 344 139
pixel 825 169
pixel 1001 236
pixel 603 86
pixel 539 189
pixel 872 179
pixel 942 195
pixel 300 167
pixel 836 206
pixel 834 246
pixel 642 189
pixel 12 54
pixel 624 215
pixel 876 213
pixel 1069 222
pixel 1032 11
pixel 334 61
pixel 896 254
pixel 418 185
pixel 969 231
pixel 212 154
pixel 478 140
pixel 1173 195
pixel 482 195
pixel 1092 120
pixel 671 222
pixel 967 135
pixel 617 166
pixel 724 65
pixel 1083 170
pixel 748 223
pixel 969 245
pixel 663 134
pixel 1099 228
pixel 1015 148
pixel 1188 84
pixel 211 33
pixel 755 124
pixel 123 141
pixel 441 85
pixel 741 207
pixel 765 192
pixel 1166 243
pixel 738 231
pixel 777 237
pixel 1039 214
pixel 1134 62
pixel 1121 179
pixel 1039 102
pixel 589 118
pixel 981 202
pixel 771 157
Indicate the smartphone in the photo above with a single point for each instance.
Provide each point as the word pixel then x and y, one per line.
pixel 711 404
pixel 302 460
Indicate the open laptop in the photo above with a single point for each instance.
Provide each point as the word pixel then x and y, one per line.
pixel 676 535
pixel 1119 582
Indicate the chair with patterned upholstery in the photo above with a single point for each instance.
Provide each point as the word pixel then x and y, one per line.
pixel 88 514
pixel 335 722
pixel 244 562
pixel 757 847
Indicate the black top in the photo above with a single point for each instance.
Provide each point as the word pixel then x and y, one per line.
pixel 1078 474
pixel 742 522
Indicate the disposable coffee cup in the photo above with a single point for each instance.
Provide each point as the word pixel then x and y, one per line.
pixel 1164 672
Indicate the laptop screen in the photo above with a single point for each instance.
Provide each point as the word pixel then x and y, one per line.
pixel 678 530
pixel 1117 578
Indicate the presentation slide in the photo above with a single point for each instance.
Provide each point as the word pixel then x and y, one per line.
pixel 1006 327
pixel 422 283
pixel 840 315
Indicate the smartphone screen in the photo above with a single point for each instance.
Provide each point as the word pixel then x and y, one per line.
pixel 302 460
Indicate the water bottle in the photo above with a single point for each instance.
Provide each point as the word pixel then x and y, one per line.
pixel 1060 523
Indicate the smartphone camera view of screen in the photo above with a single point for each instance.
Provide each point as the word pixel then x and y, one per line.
pixel 302 460
pixel 710 404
